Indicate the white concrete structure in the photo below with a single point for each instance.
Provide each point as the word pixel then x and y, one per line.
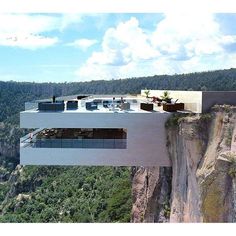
pixel 145 143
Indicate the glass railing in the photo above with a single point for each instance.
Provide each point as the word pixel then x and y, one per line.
pixel 31 106
pixel 75 143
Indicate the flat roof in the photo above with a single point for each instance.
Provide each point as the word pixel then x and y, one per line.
pixel 133 100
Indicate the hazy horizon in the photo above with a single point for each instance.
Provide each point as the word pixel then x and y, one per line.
pixel 129 78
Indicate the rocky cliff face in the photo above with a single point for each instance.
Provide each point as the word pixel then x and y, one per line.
pixel 9 149
pixel 202 185
pixel 151 192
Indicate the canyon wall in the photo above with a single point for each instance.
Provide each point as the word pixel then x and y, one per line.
pixel 201 185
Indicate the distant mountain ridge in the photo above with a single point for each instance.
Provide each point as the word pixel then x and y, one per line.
pixel 19 92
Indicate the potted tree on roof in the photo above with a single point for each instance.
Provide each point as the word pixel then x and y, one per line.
pixel 146 106
pixel 166 97
pixel 169 105
pixel 147 93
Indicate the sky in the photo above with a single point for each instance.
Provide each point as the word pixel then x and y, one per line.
pixel 84 47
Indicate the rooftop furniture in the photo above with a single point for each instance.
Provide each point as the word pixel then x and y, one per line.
pixel 146 106
pixel 117 103
pixel 124 106
pixel 173 107
pixel 97 101
pixel 72 105
pixel 156 99
pixel 91 106
pixel 81 97
pixel 173 101
pixel 106 103
pixel 51 106
pixel 59 101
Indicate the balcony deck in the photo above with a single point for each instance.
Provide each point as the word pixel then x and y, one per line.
pixel 76 138
pixel 75 143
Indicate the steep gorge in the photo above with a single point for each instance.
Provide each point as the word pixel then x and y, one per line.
pixel 201 187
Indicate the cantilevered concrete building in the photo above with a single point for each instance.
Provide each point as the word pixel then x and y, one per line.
pixel 107 130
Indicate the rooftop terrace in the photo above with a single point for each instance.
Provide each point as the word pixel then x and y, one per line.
pixel 94 104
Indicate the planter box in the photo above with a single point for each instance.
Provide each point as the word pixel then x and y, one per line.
pixel 146 106
pixel 81 97
pixel 173 107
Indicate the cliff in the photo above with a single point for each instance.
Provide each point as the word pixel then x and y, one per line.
pixel 199 187
pixel 202 185
pixel 9 149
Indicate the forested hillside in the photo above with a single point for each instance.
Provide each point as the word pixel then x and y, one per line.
pixel 17 93
pixel 75 194
pixel 68 194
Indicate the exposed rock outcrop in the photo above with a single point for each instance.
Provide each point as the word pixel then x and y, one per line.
pixel 9 149
pixel 151 193
pixel 203 187
pixel 215 173
pixel 9 140
pixel 21 184
pixel 187 144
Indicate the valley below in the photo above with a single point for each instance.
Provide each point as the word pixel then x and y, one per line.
pixel 199 187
